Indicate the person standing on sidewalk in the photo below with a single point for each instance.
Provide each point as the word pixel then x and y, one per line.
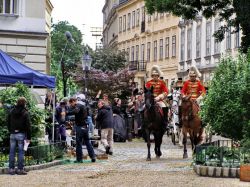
pixel 19 126
pixel 82 133
pixel 105 119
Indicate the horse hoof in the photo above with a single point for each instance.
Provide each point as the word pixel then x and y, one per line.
pixel 185 156
pixel 148 159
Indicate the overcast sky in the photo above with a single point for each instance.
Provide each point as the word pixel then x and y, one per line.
pixel 84 14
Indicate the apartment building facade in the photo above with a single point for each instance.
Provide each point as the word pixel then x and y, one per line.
pixel 110 22
pixel 24 32
pixel 199 47
pixel 148 40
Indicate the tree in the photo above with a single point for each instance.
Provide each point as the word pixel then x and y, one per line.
pixel 226 107
pixel 64 68
pixel 108 59
pixel 234 12
pixel 109 73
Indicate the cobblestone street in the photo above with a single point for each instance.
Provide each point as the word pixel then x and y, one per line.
pixel 127 167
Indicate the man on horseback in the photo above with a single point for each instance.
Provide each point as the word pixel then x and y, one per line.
pixel 160 91
pixel 194 88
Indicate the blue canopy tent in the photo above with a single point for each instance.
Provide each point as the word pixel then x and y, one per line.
pixel 12 71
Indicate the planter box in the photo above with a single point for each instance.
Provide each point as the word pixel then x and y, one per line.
pixel 245 173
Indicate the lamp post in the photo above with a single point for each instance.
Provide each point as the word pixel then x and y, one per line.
pixel 86 64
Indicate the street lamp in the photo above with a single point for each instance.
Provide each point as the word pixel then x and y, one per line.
pixel 86 64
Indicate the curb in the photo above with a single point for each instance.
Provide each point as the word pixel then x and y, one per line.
pixel 36 167
pixel 211 171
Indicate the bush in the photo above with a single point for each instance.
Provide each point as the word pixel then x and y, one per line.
pixel 8 97
pixel 226 107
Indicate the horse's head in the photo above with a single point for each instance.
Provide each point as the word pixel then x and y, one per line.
pixel 149 97
pixel 186 107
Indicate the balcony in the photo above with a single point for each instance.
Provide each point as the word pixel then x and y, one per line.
pixel 138 66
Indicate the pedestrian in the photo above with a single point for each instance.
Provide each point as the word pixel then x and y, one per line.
pixel 80 113
pixel 105 119
pixel 61 118
pixel 105 98
pixel 19 126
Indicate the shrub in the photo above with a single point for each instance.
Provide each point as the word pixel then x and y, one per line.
pixel 226 107
pixel 8 97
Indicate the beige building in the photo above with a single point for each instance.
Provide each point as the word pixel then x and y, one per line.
pixel 24 33
pixel 110 23
pixel 148 40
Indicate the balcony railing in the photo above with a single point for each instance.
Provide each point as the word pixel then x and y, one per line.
pixel 138 65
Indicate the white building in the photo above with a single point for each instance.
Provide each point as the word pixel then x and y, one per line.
pixel 25 32
pixel 199 47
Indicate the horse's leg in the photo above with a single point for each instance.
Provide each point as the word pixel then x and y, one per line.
pixel 148 144
pixel 180 136
pixel 184 132
pixel 158 141
pixel 192 135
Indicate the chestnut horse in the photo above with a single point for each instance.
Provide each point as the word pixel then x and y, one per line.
pixel 191 123
pixel 153 122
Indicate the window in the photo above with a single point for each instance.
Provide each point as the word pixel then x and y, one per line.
pixel 174 46
pixel 132 53
pixel 148 51
pixel 237 39
pixel 182 44
pixel 143 14
pixel 137 53
pixel 216 43
pixel 128 53
pixel 198 41
pixel 208 38
pixel 167 47
pixel 120 24
pixel 129 20
pixel 8 6
pixel 138 17
pixel 124 23
pixel 189 43
pixel 161 49
pixel 142 52
pixel 149 18
pixel 155 50
pixel 228 39
pixel 133 19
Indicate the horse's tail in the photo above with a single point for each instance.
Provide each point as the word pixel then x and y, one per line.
pixel 201 138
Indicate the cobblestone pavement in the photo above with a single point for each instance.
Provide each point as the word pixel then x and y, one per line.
pixel 128 167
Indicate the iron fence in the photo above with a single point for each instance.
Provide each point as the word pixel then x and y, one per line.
pixel 221 153
pixel 36 154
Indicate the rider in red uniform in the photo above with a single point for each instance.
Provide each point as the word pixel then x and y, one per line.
pixel 160 90
pixel 193 86
pixel 195 89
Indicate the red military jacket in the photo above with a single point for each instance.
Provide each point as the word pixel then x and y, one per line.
pixel 159 87
pixel 195 89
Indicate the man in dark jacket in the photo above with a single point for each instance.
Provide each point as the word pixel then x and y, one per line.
pixel 105 119
pixel 80 113
pixel 19 126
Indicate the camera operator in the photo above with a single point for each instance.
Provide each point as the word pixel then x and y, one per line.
pixel 80 113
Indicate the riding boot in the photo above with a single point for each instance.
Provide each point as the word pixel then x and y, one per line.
pixel 165 118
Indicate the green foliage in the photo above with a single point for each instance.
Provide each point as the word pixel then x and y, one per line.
pixel 226 9
pixel 9 97
pixel 226 106
pixel 72 55
pixel 109 59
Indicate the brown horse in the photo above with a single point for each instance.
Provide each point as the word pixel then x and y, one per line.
pixel 153 122
pixel 191 123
